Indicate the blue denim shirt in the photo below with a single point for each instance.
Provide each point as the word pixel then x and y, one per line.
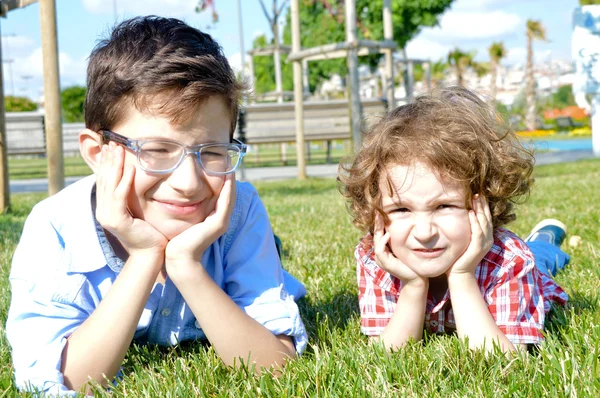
pixel 64 266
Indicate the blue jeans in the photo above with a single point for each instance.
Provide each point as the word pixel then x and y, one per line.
pixel 548 258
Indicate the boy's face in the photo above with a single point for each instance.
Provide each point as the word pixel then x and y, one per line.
pixel 173 202
pixel 429 223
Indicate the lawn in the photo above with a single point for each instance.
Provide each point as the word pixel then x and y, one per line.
pixel 318 237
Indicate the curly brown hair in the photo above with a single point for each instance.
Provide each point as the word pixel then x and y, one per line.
pixel 456 134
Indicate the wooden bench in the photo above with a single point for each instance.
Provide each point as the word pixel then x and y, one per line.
pixel 25 133
pixel 268 123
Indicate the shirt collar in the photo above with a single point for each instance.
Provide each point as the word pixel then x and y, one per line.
pixel 92 250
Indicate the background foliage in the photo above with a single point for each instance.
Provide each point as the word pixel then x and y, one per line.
pixel 19 104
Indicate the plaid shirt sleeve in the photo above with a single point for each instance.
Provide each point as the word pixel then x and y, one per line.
pixel 377 290
pixel 512 288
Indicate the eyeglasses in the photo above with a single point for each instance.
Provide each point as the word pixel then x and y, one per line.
pixel 163 156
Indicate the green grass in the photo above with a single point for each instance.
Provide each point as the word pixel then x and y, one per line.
pixel 318 239
pixel 37 167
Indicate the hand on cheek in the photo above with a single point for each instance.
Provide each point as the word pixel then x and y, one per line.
pixel 482 238
pixel 386 259
pixel 114 181
pixel 186 249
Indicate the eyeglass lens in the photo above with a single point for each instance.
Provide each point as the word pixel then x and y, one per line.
pixel 161 156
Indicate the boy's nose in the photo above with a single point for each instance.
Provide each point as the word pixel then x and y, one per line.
pixel 188 177
pixel 424 228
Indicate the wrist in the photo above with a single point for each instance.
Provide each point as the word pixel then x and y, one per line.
pixel 149 258
pixel 461 281
pixel 185 270
pixel 416 285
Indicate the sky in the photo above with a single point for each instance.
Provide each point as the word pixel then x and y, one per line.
pixel 471 25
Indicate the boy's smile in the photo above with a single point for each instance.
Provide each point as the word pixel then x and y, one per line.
pixel 173 202
pixel 429 223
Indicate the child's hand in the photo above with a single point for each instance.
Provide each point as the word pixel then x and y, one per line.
pixel 482 237
pixel 386 259
pixel 113 183
pixel 188 246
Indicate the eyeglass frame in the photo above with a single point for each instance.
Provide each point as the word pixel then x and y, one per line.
pixel 135 146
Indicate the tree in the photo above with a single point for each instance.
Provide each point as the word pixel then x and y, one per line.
pixel 497 51
pixel 264 70
pixel 535 31
pixel 205 4
pixel 438 71
pixel 563 97
pixel 274 24
pixel 322 22
pixel 72 99
pixel 19 104
pixel 460 61
pixel 588 2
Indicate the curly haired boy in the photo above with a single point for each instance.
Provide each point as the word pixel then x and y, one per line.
pixel 433 186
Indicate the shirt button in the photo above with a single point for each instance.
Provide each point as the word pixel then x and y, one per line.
pixel 197 324
pixel 165 312
pixel 433 323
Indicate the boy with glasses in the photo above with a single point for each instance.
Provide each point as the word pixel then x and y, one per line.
pixel 160 245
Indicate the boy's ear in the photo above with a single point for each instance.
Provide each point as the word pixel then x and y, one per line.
pixel 90 146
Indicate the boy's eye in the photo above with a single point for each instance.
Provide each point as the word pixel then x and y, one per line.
pixel 400 210
pixel 212 154
pixel 447 206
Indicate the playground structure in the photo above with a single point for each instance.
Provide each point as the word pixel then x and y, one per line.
pixel 52 117
pixel 270 122
pixel 349 49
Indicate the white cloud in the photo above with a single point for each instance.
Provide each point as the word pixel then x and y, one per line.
pixel 518 56
pixel 423 48
pixel 258 33
pixel 235 61
pixel 165 8
pixel 474 25
pixel 470 5
pixel 13 45
pixel 24 76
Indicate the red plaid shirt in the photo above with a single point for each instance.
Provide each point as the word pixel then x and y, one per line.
pixel 517 294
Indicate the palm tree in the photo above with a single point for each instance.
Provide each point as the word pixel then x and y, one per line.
pixel 497 52
pixel 438 71
pixel 460 61
pixel 535 31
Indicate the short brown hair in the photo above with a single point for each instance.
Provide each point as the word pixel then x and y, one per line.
pixel 455 133
pixel 160 63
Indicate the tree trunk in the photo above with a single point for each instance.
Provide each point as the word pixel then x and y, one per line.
pixel 530 87
pixel 494 73
pixel 459 75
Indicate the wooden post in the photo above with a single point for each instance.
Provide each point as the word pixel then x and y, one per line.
pixel 428 74
pixel 352 61
pixel 305 78
pixel 277 55
pixel 4 183
pixel 298 91
pixel 388 34
pixel 52 115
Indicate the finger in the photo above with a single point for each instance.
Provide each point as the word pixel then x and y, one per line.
pixel 484 217
pixel 116 166
pixel 227 195
pixel 381 245
pixel 486 209
pixel 124 186
pixel 378 227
